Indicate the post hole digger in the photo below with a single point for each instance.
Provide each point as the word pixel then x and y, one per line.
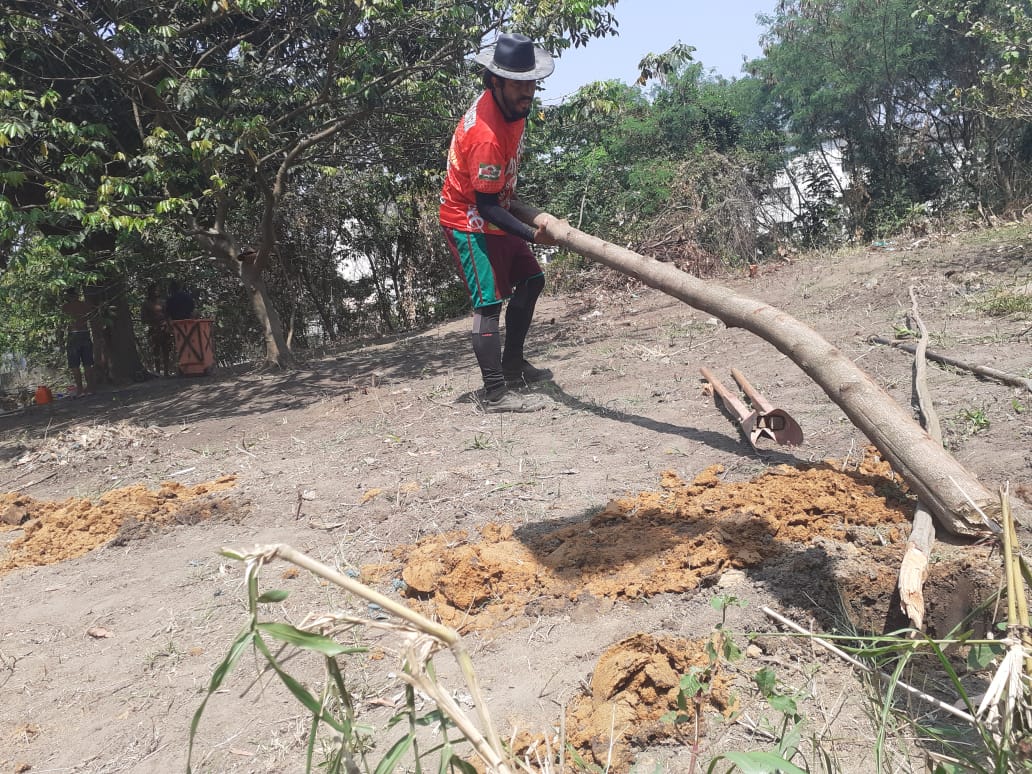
pixel 763 421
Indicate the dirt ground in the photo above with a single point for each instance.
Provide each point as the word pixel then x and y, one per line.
pixel 591 554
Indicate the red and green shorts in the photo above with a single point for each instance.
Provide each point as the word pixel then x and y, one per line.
pixel 491 264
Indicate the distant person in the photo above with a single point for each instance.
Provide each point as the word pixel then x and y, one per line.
pixel 180 304
pixel 79 346
pixel 159 332
pixel 489 244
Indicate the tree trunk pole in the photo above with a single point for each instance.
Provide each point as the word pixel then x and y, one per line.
pixel 277 350
pixel 923 464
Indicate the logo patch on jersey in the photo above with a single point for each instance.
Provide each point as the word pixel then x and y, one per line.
pixel 489 172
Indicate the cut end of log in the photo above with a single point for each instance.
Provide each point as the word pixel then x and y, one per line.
pixel 912 573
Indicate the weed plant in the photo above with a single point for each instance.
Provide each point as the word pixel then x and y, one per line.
pixel 982 723
pixel 339 741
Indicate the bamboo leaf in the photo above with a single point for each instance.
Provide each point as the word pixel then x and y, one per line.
pixel 307 640
pixel 300 692
pixel 236 650
pixel 390 761
pixel 274 595
pixel 758 762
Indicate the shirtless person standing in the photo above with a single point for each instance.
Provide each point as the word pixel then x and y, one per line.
pixel 80 346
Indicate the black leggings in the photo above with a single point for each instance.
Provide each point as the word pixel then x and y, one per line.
pixel 487 344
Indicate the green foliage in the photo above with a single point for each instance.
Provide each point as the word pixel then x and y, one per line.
pixel 204 119
pixel 31 296
pixel 757 762
pixel 339 741
pixel 723 602
pixel 696 684
pixel 635 168
pixel 1004 30
pixel 887 80
pixel 179 136
pixel 956 746
pixel 975 418
pixel 694 687
pixel 1005 304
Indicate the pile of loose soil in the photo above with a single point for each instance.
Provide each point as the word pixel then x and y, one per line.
pixel 632 701
pixel 635 684
pixel 667 541
pixel 53 531
pixel 672 541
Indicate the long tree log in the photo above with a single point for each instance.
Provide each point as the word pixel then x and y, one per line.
pixel 932 473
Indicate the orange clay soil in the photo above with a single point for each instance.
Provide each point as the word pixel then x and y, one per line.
pixel 666 541
pixel 57 530
pixel 657 542
pixel 670 540
pixel 634 684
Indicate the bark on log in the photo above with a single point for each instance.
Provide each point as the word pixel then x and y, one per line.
pixel 923 464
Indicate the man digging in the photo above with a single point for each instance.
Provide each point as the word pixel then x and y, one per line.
pixel 489 245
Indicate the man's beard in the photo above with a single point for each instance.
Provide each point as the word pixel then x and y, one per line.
pixel 512 110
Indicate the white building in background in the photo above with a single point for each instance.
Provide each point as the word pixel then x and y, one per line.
pixel 13 368
pixel 795 184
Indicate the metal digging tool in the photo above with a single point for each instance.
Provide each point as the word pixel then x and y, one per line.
pixel 763 421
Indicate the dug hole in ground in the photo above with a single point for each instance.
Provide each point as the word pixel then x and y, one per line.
pixel 588 553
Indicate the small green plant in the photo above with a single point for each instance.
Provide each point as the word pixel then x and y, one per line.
pixel 721 604
pixel 1018 406
pixel 692 688
pixel 338 741
pixel 976 420
pixel 480 441
pixel 1004 304
pixel 695 686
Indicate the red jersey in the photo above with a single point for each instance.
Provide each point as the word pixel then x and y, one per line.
pixel 484 156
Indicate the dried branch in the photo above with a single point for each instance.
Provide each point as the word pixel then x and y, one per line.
pixel 986 371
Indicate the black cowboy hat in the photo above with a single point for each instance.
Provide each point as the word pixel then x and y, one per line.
pixel 515 57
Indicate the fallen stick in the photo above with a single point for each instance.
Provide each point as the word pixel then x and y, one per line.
pixel 923 463
pixel 861 665
pixel 485 740
pixel 986 371
pixel 31 483
pixel 41 480
pixel 913 569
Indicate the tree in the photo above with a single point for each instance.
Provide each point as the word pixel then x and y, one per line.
pixel 1004 30
pixel 676 170
pixel 118 116
pixel 886 80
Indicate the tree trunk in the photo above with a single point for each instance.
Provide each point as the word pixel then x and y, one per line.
pixel 277 352
pixel 933 474
pixel 115 355
pixel 125 363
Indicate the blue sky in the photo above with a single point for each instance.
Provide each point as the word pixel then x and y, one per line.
pixel 722 31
